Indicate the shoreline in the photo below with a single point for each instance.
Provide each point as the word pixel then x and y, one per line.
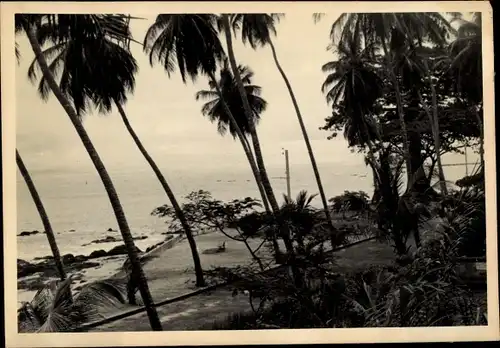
pixel 86 270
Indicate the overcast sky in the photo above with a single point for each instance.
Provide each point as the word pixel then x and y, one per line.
pixel 167 118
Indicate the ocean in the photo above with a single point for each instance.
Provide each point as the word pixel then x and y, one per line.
pixel 79 210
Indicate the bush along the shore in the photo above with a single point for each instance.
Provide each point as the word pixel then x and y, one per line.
pixel 428 289
pixel 350 201
pixel 427 292
pixel 205 214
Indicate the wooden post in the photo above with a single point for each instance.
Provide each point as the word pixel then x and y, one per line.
pixel 466 163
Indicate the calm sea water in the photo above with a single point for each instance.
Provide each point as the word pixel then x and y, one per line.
pixel 80 212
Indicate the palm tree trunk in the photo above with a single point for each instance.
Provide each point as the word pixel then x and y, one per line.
pixel 399 106
pixel 431 169
pixel 306 139
pixel 106 180
pixel 43 216
pixel 200 281
pixel 244 143
pixel 285 233
pixel 435 135
pixel 437 141
pixel 274 239
pixel 251 160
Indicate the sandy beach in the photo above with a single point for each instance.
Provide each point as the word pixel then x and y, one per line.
pixel 170 272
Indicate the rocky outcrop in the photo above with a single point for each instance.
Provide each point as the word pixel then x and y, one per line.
pixel 120 250
pixel 112 239
pixel 28 233
pixel 47 268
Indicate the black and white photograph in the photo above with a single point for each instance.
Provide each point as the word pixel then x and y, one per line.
pixel 198 168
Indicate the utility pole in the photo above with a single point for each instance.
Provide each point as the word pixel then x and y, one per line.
pixel 466 163
pixel 287 173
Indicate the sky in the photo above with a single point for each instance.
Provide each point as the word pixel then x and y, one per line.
pixel 168 119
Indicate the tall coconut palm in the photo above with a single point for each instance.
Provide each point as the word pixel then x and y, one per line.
pixel 191 43
pixel 257 30
pixel 353 83
pixel 413 63
pixel 110 68
pixel 215 111
pixel 166 43
pixel 285 233
pixel 386 30
pixel 83 27
pixel 43 215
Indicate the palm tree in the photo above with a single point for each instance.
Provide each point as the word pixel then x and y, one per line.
pixel 84 27
pixel 53 309
pixel 165 43
pixel 354 85
pixel 386 30
pixel 215 111
pixel 43 215
pixel 414 65
pixel 112 88
pixel 300 216
pixel 466 66
pixel 257 29
pixel 285 233
pixel 192 42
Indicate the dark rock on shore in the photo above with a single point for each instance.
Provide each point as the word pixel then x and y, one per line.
pixel 112 239
pixel 108 239
pixel 80 258
pixel 28 233
pixel 120 250
pixel 68 259
pixel 48 268
pixel 97 253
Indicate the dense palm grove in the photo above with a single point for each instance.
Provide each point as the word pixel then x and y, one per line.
pixel 405 89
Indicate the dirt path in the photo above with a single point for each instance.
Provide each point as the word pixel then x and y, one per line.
pixel 198 312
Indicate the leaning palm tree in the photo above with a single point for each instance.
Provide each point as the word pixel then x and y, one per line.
pixel 89 27
pixel 165 43
pixel 385 30
pixel 215 111
pixel 284 231
pixel 191 43
pixel 43 215
pixel 352 86
pixel 257 29
pixel 107 85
